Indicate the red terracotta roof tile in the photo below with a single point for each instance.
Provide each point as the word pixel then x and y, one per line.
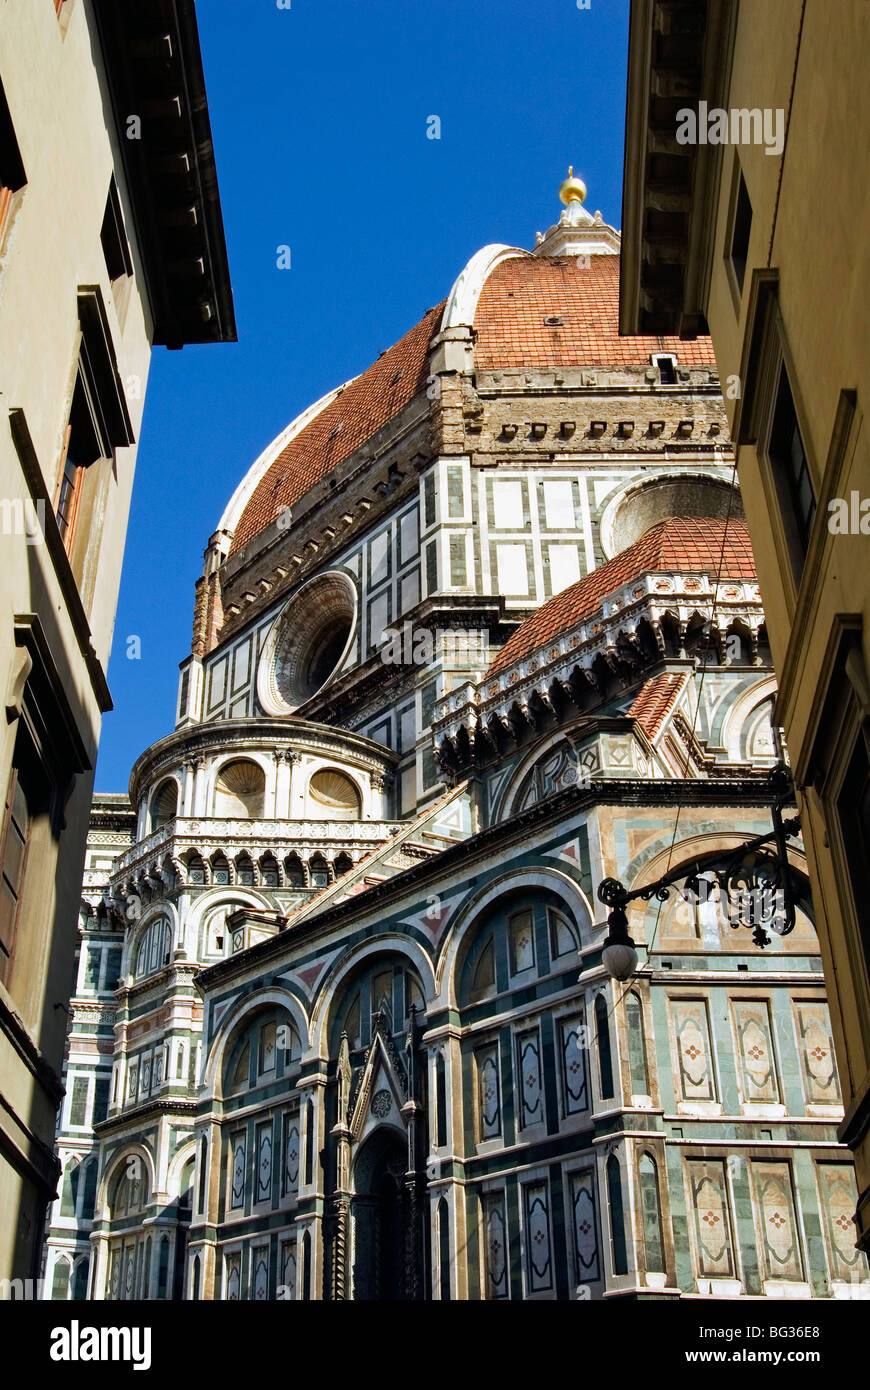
pixel 368 403
pixel 521 292
pixel 655 701
pixel 680 545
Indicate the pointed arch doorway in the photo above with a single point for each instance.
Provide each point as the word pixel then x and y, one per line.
pixel 380 1212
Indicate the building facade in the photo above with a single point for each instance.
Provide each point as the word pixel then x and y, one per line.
pixel 110 242
pixel 478 631
pixel 740 219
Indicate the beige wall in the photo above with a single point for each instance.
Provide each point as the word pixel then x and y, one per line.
pixel 810 224
pixel 61 115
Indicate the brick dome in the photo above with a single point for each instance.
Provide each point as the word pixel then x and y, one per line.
pixel 523 292
pixel 506 296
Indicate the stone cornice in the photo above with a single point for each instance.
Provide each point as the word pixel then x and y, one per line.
pixel 208 835
pixel 696 793
pixel 604 634
pixel 182 1108
pixel 330 516
pixel 200 739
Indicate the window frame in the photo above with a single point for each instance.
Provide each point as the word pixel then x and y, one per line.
pixel 13 177
pixel 737 265
pixel 766 355
pixel 842 702
pixel 7 945
pixel 797 529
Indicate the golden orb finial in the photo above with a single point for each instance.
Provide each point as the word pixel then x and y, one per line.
pixel 572 190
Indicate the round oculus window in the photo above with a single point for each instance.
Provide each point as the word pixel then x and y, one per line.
pixel 308 644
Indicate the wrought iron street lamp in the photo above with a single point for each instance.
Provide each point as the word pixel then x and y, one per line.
pixel 755 881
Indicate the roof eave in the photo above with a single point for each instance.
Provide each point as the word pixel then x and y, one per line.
pixel 154 69
pixel 671 191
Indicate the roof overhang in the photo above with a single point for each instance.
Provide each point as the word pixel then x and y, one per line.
pixel 154 71
pixel 679 55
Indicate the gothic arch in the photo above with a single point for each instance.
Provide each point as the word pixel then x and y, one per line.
pixel 149 917
pixel 118 1160
pixel 61 1268
pixel 80 1272
pixel 236 1018
pixel 508 796
pixel 176 1168
pixel 553 879
pixel 329 986
pixel 743 708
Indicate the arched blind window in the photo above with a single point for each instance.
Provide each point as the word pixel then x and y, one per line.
pixel 636 1046
pixel 651 1214
pixel 153 951
pixel 617 1218
pixel 240 790
pixel 602 1038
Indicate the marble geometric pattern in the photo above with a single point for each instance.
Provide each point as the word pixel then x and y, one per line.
pixel 237 1172
pixel 839 1193
pixel 585 1226
pixel 693 1049
pixel 233 1275
pixel 495 1245
pixel 264 1162
pixel 817 1053
pixel 775 1206
pixel 708 1191
pixel 531 1081
pixel 488 1092
pixel 291 1155
pixel 573 1053
pixel 536 1201
pixel 755 1051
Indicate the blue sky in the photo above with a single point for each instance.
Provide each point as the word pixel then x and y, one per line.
pixel 319 117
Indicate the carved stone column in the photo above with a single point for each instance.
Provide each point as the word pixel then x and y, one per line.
pixel 378 809
pixel 341 1201
pixel 279 799
pixel 187 789
pixel 198 808
pixel 295 791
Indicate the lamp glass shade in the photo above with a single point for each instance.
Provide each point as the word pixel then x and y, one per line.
pixel 620 960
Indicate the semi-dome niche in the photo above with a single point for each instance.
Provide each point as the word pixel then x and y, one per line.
pixel 308 643
pixel 240 790
pixel 630 515
pixel 333 795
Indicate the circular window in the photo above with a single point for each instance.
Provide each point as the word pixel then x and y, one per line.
pixel 308 643
pixel 335 794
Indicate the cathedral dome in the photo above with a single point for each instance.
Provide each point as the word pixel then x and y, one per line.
pixel 556 307
pixel 708 545
pixel 538 312
pixel 345 420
